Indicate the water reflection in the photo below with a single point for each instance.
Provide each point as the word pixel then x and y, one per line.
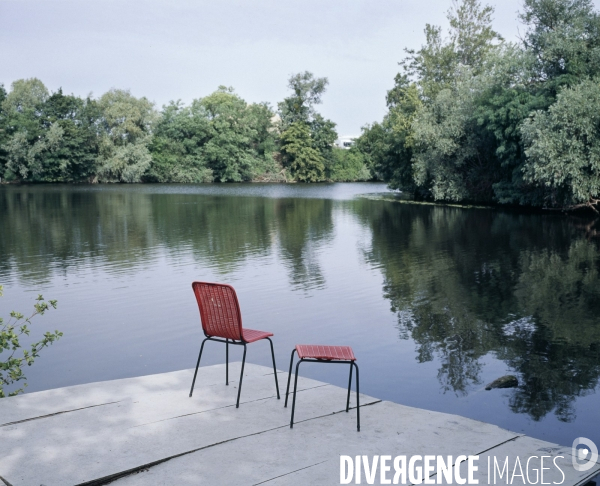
pixel 45 231
pixel 468 283
pixel 465 286
pixel 304 225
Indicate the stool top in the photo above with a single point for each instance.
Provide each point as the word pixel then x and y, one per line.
pixel 330 353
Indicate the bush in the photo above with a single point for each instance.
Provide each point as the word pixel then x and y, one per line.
pixel 11 331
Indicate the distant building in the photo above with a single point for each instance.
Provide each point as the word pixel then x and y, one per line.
pixel 345 142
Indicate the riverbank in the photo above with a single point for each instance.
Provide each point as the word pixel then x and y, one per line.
pixel 146 430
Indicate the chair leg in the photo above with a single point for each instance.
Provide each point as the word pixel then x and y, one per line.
pixel 274 368
pixel 294 399
pixel 357 400
pixel 237 405
pixel 349 384
pixel 197 364
pixel 287 390
pixel 226 361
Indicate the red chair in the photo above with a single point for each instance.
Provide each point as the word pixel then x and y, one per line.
pixel 324 354
pixel 222 322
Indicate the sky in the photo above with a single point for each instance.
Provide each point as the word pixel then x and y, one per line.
pixel 184 49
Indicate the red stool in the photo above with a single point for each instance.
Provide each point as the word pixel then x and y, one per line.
pixel 323 354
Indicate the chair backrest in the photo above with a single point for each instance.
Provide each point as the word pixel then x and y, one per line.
pixel 219 310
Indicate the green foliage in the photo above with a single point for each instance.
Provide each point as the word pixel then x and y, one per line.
pixel 23 144
pixel 308 153
pixel 564 40
pixel 11 331
pixel 219 137
pixel 306 93
pixel 496 122
pixel 177 143
pixel 53 137
pixel 451 154
pixel 126 133
pixel 238 144
pixel 387 146
pixel 471 39
pixel 26 96
pixel 563 147
pixel 26 157
pixel 349 166
pixel 74 157
pixel 46 137
pixel 323 137
pixel 119 138
pixel 3 132
pixel 305 162
pixel 506 98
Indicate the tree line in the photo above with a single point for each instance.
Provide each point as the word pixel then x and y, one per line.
pixel 54 137
pixel 472 117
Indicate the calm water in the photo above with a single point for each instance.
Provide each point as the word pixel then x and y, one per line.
pixel 436 301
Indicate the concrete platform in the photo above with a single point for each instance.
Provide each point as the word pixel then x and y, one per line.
pixel 147 431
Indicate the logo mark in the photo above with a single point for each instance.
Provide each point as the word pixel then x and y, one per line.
pixel 585 456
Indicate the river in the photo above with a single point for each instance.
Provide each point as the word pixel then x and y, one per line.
pixel 436 301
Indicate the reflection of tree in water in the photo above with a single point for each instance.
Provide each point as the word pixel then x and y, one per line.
pixel 553 370
pixel 465 283
pixel 303 224
pixel 559 359
pixel 222 232
pixel 47 229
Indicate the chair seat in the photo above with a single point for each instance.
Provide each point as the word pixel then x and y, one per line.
pixel 329 353
pixel 251 335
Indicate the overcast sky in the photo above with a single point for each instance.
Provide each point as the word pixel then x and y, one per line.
pixel 185 49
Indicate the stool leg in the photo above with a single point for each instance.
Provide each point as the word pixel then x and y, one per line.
pixel 237 405
pixel 274 368
pixel 287 390
pixel 357 400
pixel 294 400
pixel 197 364
pixel 349 384
pixel 227 361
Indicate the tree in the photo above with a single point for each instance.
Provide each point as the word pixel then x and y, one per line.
pixel 388 146
pixel 298 111
pixel 177 145
pixel 51 138
pixel 349 166
pixel 451 158
pixel 240 143
pixel 429 144
pixel 304 161
pixel 563 148
pixel 75 158
pixel 471 38
pixel 126 133
pixel 471 32
pixel 306 93
pixel 3 132
pixel 481 120
pixel 323 137
pixel 21 111
pixel 506 99
pixel 25 158
pixel 564 39
pixel 26 96
pixel 11 366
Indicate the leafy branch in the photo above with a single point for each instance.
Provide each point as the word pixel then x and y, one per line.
pixel 11 331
